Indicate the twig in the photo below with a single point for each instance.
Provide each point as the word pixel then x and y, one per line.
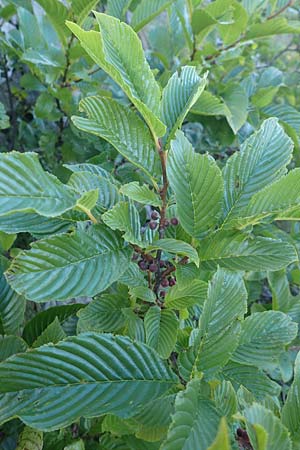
pixel 12 111
pixel 281 10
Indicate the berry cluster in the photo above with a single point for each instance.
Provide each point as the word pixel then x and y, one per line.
pixel 154 221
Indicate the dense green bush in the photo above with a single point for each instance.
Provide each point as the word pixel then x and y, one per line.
pixel 149 208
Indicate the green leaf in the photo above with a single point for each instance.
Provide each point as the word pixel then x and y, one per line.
pixel 265 430
pixel 222 441
pixel 118 8
pixel 10 345
pixel 4 119
pixel 143 293
pixel 278 25
pixel 33 223
pixel 238 251
pixel 198 186
pixel 36 326
pixel 53 333
pixel 104 313
pixel 281 200
pixel 161 328
pixel 125 217
pixel 195 421
pixel 210 105
pixel 12 308
pixel 86 182
pixel 236 100
pixel 226 399
pixel 183 296
pixel 120 126
pixel 263 338
pixel 57 14
pixel 30 439
pixel 88 201
pixel 147 11
pixel 285 113
pixel 118 51
pixel 253 379
pixel 291 408
pixel 219 325
pixel 176 246
pixel 88 375
pixel 33 190
pixel 82 9
pixel 262 160
pixel 97 258
pixel 141 194
pixel 179 96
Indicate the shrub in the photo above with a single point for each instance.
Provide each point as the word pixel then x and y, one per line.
pixel 182 331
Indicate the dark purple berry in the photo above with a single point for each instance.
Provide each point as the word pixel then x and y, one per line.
pixel 152 225
pixel 135 256
pixel 164 283
pixel 143 265
pixel 172 282
pixel 162 264
pixel 153 267
pixel 162 294
pixel 154 215
pixel 174 221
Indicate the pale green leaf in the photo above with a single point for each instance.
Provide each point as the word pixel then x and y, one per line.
pixel 30 439
pixel 104 313
pixel 53 333
pixel 4 119
pixel 90 261
pixel 118 51
pixel 177 247
pixel 195 421
pixel 88 375
pixel 124 216
pixel 238 251
pixel 88 200
pixel 263 338
pixel 33 189
pixel 222 441
pixel 147 11
pixel 262 160
pixel 198 186
pixel 120 126
pixel 161 327
pixel 142 194
pixel 179 96
pixel 183 296
pixel 265 430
